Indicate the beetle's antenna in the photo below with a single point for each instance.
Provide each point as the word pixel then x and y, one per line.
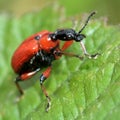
pixel 87 21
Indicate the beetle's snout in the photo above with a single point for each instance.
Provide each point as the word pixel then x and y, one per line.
pixel 80 37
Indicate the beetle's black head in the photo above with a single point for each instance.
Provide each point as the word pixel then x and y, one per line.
pixel 63 34
pixel 70 34
pixel 66 35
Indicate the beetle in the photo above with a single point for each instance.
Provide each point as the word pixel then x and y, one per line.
pixel 40 50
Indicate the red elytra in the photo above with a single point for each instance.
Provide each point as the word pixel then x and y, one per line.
pixel 40 50
pixel 30 47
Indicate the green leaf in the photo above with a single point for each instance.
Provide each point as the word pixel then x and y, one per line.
pixel 79 90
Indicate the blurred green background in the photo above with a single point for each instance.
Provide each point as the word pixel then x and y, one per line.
pixel 108 8
pixel 93 91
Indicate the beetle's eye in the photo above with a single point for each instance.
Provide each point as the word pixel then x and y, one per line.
pixel 69 35
pixel 37 37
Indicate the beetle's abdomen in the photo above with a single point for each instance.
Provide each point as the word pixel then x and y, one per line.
pixel 40 60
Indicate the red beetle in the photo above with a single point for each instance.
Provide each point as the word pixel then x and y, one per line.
pixel 40 50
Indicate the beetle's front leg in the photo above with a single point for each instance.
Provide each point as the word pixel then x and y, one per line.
pixel 94 56
pixel 43 77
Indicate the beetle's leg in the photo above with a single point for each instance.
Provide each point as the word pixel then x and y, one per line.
pixel 67 44
pixel 64 47
pixel 86 53
pixel 23 77
pixel 18 86
pixel 72 55
pixel 43 77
